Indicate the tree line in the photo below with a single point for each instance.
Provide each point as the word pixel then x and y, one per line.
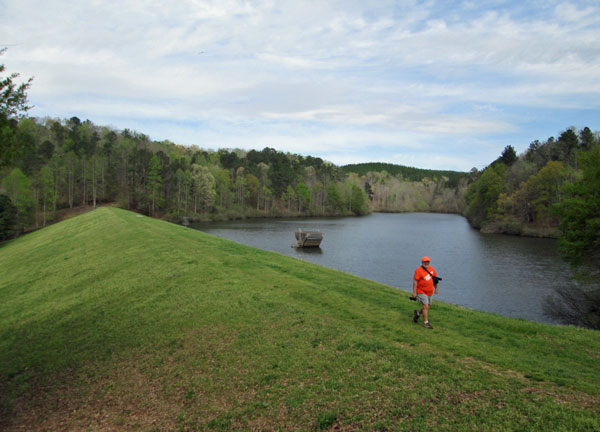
pixel 519 194
pixel 397 188
pixel 411 174
pixel 57 164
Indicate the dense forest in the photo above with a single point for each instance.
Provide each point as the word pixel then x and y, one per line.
pixel 54 164
pixel 397 188
pixel 404 172
pixel 520 194
pixel 58 164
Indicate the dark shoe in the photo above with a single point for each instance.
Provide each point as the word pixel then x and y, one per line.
pixel 428 326
pixel 416 317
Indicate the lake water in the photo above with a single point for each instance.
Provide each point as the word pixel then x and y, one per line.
pixel 501 274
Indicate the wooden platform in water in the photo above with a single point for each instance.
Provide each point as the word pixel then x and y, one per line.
pixel 308 239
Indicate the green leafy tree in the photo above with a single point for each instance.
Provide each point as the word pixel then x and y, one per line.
pixel 281 173
pixel 567 143
pixel 544 188
pixel 204 188
pixel 289 195
pixel 359 204
pixel 154 182
pixel 58 171
pixel 267 195
pixel 579 213
pixel 59 133
pixel 579 243
pixel 254 189
pixel 586 138
pixel 28 158
pixel 241 191
pixel 46 191
pixel 334 196
pixel 509 155
pixel 13 104
pixel 263 176
pixel 318 197
pixel 482 196
pixel 182 178
pixel 369 191
pixel 71 163
pixel 18 188
pixel 96 177
pixel 13 97
pixel 535 154
pixel 303 194
pixel 8 217
pixel 223 187
pixel 229 160
pixel 46 150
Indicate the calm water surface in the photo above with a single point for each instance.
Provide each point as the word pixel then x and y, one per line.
pixel 494 273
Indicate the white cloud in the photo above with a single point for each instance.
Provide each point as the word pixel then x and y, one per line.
pixel 569 12
pixel 290 61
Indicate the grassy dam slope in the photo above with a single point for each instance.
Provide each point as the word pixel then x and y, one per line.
pixel 114 321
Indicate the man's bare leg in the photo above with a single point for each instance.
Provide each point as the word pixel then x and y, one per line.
pixel 425 312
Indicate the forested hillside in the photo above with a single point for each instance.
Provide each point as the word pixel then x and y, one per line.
pixel 405 172
pixel 519 194
pixel 397 188
pixel 61 164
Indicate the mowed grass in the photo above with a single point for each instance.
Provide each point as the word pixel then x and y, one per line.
pixel 112 321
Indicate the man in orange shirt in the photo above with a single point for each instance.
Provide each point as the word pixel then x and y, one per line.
pixel 424 287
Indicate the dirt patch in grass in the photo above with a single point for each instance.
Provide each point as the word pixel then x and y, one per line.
pixel 470 362
pixel 578 399
pixel 123 399
pixel 560 394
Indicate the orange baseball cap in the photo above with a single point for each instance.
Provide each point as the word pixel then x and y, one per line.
pixel 425 259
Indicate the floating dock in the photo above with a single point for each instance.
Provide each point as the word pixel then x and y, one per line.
pixel 306 239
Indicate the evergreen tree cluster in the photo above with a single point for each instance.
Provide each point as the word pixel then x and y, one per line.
pixel 452 178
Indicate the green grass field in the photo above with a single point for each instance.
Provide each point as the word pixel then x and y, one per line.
pixel 113 321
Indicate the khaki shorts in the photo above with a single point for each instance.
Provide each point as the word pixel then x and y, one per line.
pixel 424 299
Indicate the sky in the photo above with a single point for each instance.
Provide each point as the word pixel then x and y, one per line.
pixel 430 84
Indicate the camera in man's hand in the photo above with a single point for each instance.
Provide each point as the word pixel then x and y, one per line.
pixel 413 298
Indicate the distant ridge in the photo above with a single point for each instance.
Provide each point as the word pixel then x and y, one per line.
pixel 408 173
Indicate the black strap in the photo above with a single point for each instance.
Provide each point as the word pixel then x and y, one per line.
pixel 432 276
